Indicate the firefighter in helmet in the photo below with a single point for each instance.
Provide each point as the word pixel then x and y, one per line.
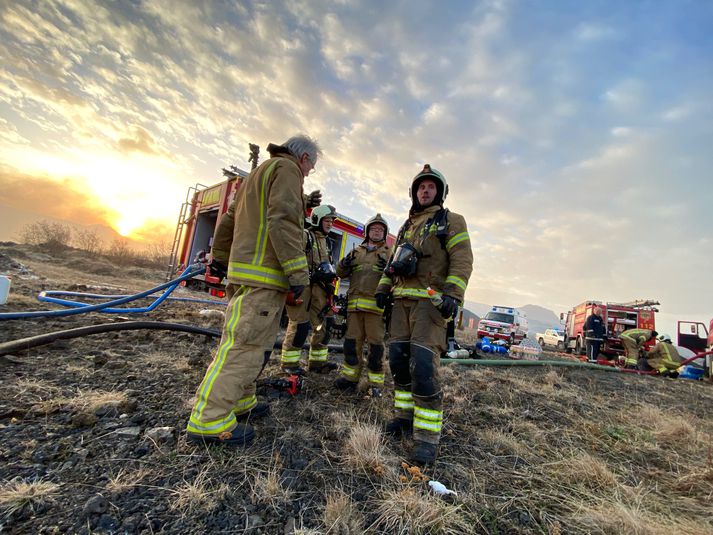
pixel 633 341
pixel 363 267
pixel 266 264
pixel 432 250
pixel 316 299
pixel 664 357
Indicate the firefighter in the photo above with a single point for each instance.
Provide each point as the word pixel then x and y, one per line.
pixel 432 250
pixel 266 264
pixel 664 357
pixel 594 331
pixel 316 299
pixel 363 267
pixel 633 341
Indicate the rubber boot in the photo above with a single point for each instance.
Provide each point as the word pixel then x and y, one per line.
pixel 399 427
pixel 424 452
pixel 258 411
pixel 242 435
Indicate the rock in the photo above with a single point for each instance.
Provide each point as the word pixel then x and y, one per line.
pixel 160 435
pixel 96 505
pixel 255 521
pixel 84 419
pixel 107 523
pixel 129 432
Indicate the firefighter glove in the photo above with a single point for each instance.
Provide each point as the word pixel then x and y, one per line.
pixel 381 299
pixel 347 260
pixel 218 269
pixel 448 307
pixel 314 199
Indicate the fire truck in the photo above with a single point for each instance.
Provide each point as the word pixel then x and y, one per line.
pixel 618 317
pixel 199 217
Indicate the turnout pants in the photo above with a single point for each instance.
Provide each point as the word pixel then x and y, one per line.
pixel 302 318
pixel 631 351
pixel 418 337
pixel 361 327
pixel 661 364
pixel 228 388
pixel 593 345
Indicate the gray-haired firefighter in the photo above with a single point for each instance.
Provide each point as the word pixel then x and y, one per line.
pixel 363 266
pixel 633 341
pixel 315 308
pixel 267 263
pixel 664 357
pixel 432 251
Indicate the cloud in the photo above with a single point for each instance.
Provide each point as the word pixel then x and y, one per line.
pixel 140 141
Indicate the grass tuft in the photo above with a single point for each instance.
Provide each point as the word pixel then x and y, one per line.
pixel 17 494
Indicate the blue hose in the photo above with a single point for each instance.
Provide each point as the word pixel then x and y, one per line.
pixel 47 297
pixel 81 308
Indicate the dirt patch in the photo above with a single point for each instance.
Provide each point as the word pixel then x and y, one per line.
pixel 92 440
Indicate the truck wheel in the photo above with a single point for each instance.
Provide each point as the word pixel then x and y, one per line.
pixel 560 345
pixel 542 343
pixel 578 347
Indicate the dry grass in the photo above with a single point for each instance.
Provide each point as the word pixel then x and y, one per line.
pixel 365 449
pixel 127 479
pixel 17 494
pixel 34 390
pixel 200 495
pixel 587 470
pixel 267 488
pixel 500 443
pixel 84 402
pixel 409 511
pixel 341 516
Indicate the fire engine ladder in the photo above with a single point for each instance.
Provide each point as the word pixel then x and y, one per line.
pixel 638 303
pixel 178 235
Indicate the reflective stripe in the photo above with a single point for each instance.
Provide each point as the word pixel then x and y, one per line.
pixel 291 355
pixel 376 378
pixel 455 240
pixel 410 292
pixel 452 279
pixel 403 400
pixel 363 303
pixel 376 268
pixel 245 404
pixel 214 370
pixel 211 428
pixel 357 268
pixel 295 264
pixel 385 280
pixel 631 362
pixel 261 243
pixel 318 355
pixel 427 419
pixel 349 371
pixel 255 273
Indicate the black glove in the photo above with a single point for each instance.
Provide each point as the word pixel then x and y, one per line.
pixel 314 199
pixel 381 263
pixel 347 260
pixel 218 269
pixel 381 300
pixel 448 307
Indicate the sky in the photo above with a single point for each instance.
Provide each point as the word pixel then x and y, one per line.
pixel 575 136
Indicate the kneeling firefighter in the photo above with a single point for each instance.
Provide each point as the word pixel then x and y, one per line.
pixel 315 308
pixel 363 267
pixel 432 251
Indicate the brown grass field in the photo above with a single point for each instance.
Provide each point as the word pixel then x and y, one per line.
pixel 528 450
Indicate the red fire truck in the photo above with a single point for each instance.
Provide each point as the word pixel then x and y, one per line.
pixel 618 317
pixel 199 218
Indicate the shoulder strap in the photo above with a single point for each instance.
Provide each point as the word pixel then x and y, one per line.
pixel 440 220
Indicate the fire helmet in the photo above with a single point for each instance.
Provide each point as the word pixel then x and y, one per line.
pixel 432 174
pixel 665 338
pixel 376 219
pixel 319 213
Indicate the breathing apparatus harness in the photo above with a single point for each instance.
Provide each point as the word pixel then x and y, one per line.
pixel 404 261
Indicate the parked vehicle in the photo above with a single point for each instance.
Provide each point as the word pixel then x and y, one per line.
pixel 618 317
pixel 695 336
pixel 503 323
pixel 551 338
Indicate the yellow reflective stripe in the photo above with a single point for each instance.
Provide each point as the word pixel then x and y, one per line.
pixel 376 269
pixel 435 427
pixel 410 292
pixel 291 355
pixel 357 268
pixel 385 280
pixel 363 303
pixel 217 365
pixel 255 273
pixel 452 279
pixel 455 240
pixel 245 404
pixel 211 428
pixel 403 394
pixel 376 378
pixel 399 404
pixel 428 414
pixel 318 355
pixel 261 243
pixel 349 371
pixel 295 264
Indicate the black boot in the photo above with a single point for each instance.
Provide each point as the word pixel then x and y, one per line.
pixel 258 411
pixel 345 384
pixel 399 427
pixel 424 453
